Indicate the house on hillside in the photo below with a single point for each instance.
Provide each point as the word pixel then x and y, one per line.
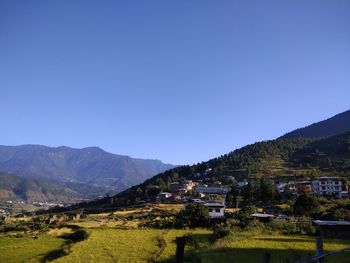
pixel 242 184
pixel 281 187
pixel 330 186
pixel 303 187
pixel 216 209
pixel 163 196
pixel 181 188
pixel 211 190
pixel 263 217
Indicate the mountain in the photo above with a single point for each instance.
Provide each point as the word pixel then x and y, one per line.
pixel 90 171
pixel 320 149
pixel 17 188
pixel 339 123
pixel 282 158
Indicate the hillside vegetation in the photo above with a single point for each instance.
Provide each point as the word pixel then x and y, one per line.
pixel 281 158
pixel 90 171
pixel 339 123
pixel 16 188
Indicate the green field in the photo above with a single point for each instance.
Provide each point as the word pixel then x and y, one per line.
pixel 13 249
pixel 133 245
pixel 152 245
pixel 250 247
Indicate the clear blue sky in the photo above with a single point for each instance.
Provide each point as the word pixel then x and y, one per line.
pixel 180 81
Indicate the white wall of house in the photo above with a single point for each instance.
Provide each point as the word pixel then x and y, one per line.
pixel 216 212
pixel 328 186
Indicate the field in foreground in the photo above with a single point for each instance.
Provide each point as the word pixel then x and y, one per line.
pixel 250 247
pixel 140 245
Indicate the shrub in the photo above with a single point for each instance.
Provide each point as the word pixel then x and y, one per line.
pixel 220 232
pixel 78 235
pixel 306 205
pixel 282 225
pixel 245 213
pixel 194 215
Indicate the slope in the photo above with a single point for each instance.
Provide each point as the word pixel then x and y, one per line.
pixel 281 158
pixel 89 171
pixel 337 124
pixel 16 188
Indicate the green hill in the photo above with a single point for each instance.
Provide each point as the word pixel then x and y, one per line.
pixel 281 158
pixel 16 188
pixel 337 124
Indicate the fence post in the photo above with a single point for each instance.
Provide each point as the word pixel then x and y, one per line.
pixel 319 246
pixel 180 249
pixel 266 258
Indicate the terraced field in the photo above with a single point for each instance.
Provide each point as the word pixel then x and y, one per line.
pixel 152 245
pixel 250 247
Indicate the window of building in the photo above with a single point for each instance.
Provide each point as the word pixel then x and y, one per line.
pixel 217 210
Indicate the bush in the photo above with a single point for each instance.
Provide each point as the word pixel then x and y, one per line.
pixel 220 232
pixel 282 225
pixel 15 226
pixel 194 215
pixel 78 235
pixel 245 213
pixel 306 205
pixel 255 225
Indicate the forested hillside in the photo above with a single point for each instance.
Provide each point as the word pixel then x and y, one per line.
pixel 16 188
pixel 337 124
pixel 90 171
pixel 281 158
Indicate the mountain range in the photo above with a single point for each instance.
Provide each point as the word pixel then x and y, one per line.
pixel 13 187
pixel 322 148
pixel 87 172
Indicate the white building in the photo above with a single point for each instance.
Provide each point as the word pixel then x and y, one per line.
pixel 211 190
pixel 216 210
pixel 328 185
pixel 163 196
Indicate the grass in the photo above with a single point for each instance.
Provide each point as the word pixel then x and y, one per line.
pixel 111 245
pixel 153 245
pixel 27 249
pixel 251 246
pixel 132 245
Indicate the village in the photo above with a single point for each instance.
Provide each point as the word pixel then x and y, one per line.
pixel 213 195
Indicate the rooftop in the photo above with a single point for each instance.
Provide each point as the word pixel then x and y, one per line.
pixel 262 215
pixel 331 223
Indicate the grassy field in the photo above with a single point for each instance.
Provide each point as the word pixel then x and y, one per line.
pixel 27 249
pixel 251 246
pixel 152 245
pixel 116 237
pixel 133 245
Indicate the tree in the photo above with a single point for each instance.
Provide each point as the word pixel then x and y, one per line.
pixel 232 196
pixel 195 215
pixel 268 191
pixel 306 205
pixel 246 212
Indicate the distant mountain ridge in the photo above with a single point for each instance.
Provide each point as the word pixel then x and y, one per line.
pixel 90 171
pixel 337 124
pixel 17 188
